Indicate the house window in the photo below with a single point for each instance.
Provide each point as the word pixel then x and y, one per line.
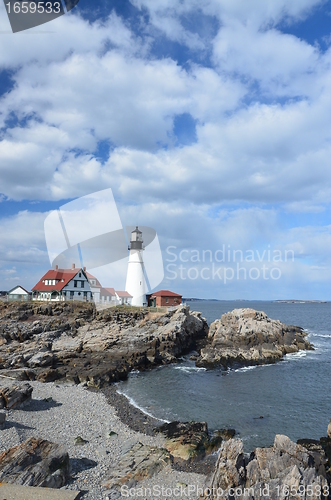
pixel 80 275
pixel 79 293
pixel 167 300
pixel 72 295
pixel 82 284
pixel 75 283
pixel 85 294
pixel 64 294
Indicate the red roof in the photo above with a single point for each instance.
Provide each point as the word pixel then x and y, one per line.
pixel 123 294
pixel 91 277
pixel 165 293
pixel 107 291
pixel 61 274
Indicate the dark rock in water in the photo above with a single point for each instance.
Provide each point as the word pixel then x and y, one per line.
pixel 269 472
pixel 35 462
pixel 249 337
pixel 15 396
pixel 139 462
pixel 190 440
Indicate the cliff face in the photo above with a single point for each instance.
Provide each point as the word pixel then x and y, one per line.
pixel 246 336
pixel 74 341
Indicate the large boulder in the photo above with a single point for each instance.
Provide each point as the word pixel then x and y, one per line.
pixel 246 336
pixel 35 462
pixel 14 396
pixel 284 470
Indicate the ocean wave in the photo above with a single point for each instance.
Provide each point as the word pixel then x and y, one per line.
pixel 295 355
pixel 190 369
pixel 245 368
pixel 143 410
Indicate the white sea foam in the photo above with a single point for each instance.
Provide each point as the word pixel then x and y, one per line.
pixel 295 355
pixel 190 369
pixel 133 403
pixel 245 368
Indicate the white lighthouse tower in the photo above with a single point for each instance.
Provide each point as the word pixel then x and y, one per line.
pixel 135 280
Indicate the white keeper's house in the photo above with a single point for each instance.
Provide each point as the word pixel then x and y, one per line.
pixel 63 284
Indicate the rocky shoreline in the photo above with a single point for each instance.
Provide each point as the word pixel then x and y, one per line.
pixel 97 441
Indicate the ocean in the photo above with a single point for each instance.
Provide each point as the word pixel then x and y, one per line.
pixel 289 397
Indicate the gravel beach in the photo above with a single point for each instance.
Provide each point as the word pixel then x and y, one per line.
pixel 60 413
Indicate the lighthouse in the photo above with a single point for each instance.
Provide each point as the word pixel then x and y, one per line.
pixel 135 280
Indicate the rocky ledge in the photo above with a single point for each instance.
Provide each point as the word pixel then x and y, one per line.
pixel 285 470
pixel 249 337
pixel 74 341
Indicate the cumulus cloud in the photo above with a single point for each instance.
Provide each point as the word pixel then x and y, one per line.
pixel 258 98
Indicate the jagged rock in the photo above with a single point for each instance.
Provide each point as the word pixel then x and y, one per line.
pixel 246 336
pixel 41 359
pixel 16 395
pixel 35 462
pixel 2 419
pixel 268 472
pixel 190 440
pixel 94 347
pixel 139 462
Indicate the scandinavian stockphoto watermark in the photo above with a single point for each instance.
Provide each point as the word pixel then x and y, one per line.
pixel 226 264
pixel 26 14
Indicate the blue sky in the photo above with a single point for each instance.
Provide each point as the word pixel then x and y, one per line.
pixel 211 124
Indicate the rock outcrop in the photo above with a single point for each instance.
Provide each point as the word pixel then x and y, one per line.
pixel 139 462
pixel 35 462
pixel 15 396
pixel 285 470
pixel 73 340
pixel 191 440
pixel 249 337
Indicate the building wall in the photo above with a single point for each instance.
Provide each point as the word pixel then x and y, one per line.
pixel 19 296
pixel 168 301
pixel 77 289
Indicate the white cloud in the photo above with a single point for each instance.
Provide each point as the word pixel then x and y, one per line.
pixel 262 109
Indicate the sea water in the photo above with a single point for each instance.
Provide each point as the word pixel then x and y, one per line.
pixel 290 397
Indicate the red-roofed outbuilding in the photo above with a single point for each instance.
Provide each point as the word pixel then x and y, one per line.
pixel 164 298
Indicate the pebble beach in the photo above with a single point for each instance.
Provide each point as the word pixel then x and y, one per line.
pixel 61 413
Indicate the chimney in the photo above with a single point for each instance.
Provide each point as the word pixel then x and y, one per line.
pixel 84 269
pixel 73 266
pixel 56 267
